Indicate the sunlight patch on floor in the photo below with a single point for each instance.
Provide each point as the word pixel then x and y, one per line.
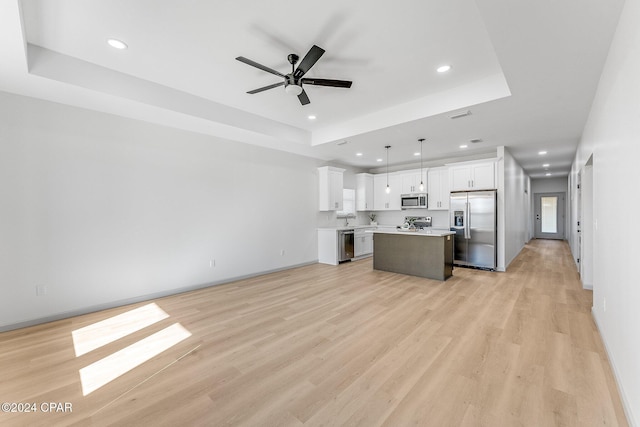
pixel 109 330
pixel 111 367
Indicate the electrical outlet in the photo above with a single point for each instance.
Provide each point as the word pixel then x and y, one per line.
pixel 212 263
pixel 281 252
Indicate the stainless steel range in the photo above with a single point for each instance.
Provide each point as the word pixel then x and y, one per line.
pixel 417 222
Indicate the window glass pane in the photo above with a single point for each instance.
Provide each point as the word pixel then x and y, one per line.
pixel 549 213
pixel 348 203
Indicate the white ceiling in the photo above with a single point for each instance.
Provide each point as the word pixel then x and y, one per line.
pixel 527 71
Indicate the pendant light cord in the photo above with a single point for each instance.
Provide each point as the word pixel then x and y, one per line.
pixel 387 147
pixel 421 182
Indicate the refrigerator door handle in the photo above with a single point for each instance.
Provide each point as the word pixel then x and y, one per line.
pixel 467 228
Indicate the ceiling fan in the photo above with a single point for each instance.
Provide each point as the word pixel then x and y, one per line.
pixel 293 81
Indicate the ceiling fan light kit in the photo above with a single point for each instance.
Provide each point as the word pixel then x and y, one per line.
pixel 293 89
pixel 293 81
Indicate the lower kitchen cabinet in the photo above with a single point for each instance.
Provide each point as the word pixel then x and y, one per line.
pixel 329 244
pixel 363 243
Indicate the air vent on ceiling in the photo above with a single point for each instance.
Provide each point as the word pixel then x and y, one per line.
pixel 475 141
pixel 461 114
pixel 341 143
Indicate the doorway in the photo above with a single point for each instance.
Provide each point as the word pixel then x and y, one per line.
pixel 549 212
pixel 586 225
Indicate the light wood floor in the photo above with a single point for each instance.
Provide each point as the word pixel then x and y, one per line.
pixel 345 345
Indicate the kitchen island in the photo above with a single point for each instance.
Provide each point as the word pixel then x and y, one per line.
pixel 425 253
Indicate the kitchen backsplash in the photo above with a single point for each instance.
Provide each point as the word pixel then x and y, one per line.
pixel 440 219
pixel 330 219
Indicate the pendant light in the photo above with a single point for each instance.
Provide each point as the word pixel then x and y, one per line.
pixel 388 189
pixel 421 183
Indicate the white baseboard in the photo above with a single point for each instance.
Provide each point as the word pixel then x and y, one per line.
pixel 133 300
pixel 626 404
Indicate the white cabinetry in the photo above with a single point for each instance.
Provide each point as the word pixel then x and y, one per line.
pixel 439 193
pixel 363 242
pixel 328 246
pixel 330 179
pixel 411 182
pixel 364 192
pixel 383 201
pixel 477 176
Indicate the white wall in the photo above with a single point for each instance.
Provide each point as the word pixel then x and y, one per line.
pixel 549 185
pixel 611 135
pixel 102 209
pixel 515 192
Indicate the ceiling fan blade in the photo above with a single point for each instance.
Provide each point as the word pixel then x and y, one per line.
pixel 262 89
pixel 327 82
pixel 308 61
pixel 304 99
pixel 260 66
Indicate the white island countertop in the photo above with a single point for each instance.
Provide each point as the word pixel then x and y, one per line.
pixel 346 227
pixel 432 232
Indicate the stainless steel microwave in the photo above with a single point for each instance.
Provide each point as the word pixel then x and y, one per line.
pixel 413 201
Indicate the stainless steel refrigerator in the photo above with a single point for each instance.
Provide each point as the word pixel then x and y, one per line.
pixel 473 218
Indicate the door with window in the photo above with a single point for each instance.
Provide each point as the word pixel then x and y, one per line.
pixel 549 215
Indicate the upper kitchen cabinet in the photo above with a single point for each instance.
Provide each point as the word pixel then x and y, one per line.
pixel 438 185
pixel 383 201
pixel 476 176
pixel 411 182
pixel 331 182
pixel 364 192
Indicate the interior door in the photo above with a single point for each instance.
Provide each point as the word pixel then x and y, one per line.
pixel 549 213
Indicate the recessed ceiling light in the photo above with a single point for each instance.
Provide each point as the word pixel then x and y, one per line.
pixel 547 174
pixel 546 165
pixel 416 154
pixel 117 44
pixel 542 153
pixel 378 160
pixel 358 154
pixel 464 146
pixel 311 117
pixel 443 68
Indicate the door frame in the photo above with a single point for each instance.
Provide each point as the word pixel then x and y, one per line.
pixel 586 225
pixel 560 216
